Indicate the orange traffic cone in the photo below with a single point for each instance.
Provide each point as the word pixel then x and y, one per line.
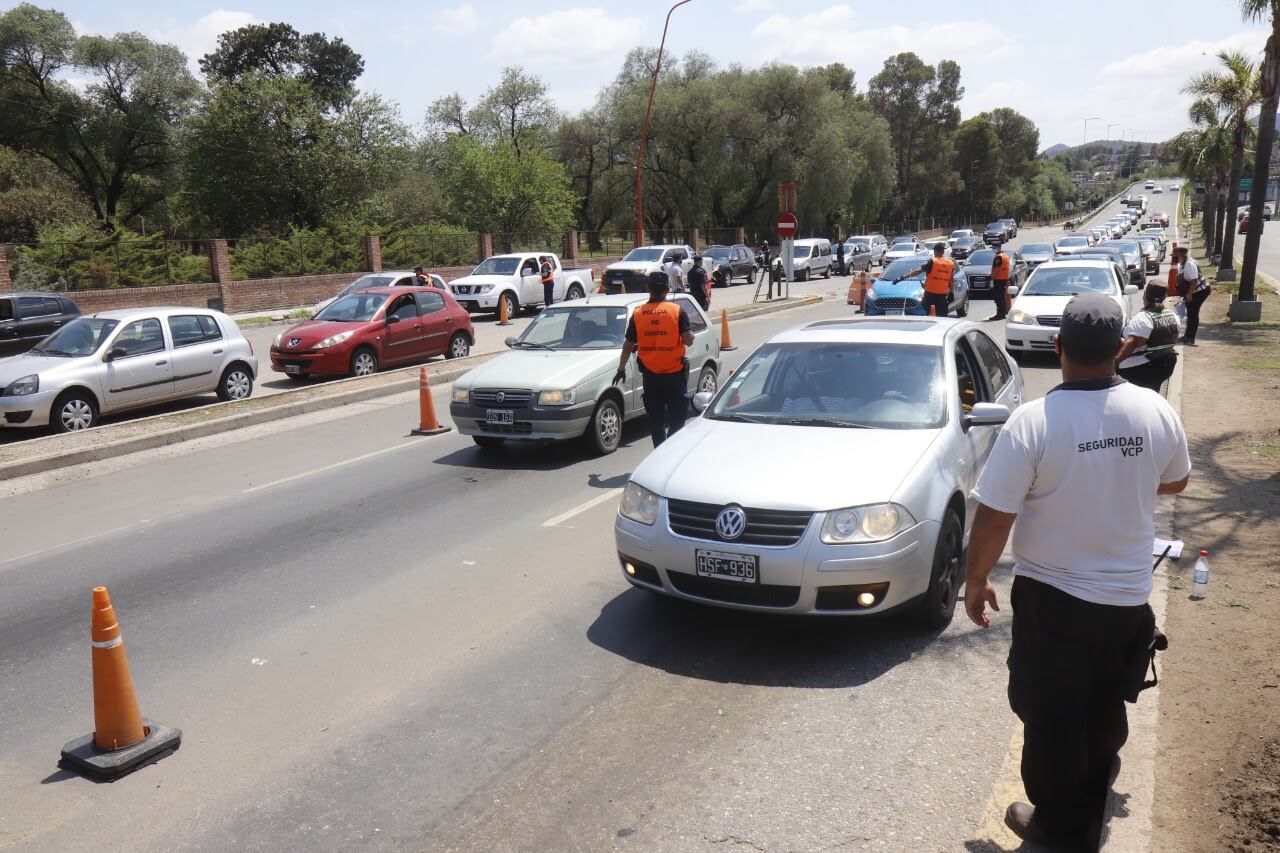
pixel 122 741
pixel 428 424
pixel 601 290
pixel 725 345
pixel 503 319
pixel 864 284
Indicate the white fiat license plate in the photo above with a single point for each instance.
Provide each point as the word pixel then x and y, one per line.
pixel 499 416
pixel 730 567
pixel 293 368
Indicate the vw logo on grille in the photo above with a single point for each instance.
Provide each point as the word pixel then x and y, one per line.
pixel 293 342
pixel 501 397
pixel 731 522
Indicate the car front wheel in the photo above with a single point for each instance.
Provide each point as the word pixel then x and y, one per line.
pixel 604 432
pixel 74 411
pixel 935 610
pixel 364 362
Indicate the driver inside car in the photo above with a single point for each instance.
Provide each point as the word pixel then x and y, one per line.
pixel 822 388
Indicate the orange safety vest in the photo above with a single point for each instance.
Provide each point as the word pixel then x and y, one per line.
pixel 1000 267
pixel 548 275
pixel 939 278
pixel 658 343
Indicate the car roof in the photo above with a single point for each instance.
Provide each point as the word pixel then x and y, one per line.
pixel 44 293
pixel 813 240
pixel 127 314
pixel 1077 263
pixel 607 299
pixel 925 331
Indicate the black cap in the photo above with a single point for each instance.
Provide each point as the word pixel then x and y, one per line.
pixel 1092 325
pixel 939 247
pixel 419 269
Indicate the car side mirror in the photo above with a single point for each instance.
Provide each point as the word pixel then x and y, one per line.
pixel 986 414
pixel 1013 290
pixel 1130 289
pixel 114 353
pixel 701 400
pixel 510 341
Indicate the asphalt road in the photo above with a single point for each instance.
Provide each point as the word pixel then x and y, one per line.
pixel 373 641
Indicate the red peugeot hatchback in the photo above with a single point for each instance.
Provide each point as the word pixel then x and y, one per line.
pixel 362 331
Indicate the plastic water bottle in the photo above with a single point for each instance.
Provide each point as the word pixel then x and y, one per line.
pixel 1200 577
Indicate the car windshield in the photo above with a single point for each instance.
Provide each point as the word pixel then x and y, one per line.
pixel 644 255
pixel 899 268
pixel 718 252
pixel 1063 281
pixel 1037 249
pixel 966 241
pixel 995 226
pixel 353 308
pixel 903 242
pixel 368 282
pixel 576 327
pixel 82 336
pixel 981 257
pixel 497 266
pixel 857 247
pixel 1127 248
pixel 850 385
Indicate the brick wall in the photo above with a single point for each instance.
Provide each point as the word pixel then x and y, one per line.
pixel 5 283
pixel 185 295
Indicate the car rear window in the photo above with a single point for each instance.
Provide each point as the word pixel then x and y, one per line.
pixel 189 329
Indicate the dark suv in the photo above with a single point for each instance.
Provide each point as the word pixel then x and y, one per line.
pixel 27 318
pixel 995 232
pixel 732 262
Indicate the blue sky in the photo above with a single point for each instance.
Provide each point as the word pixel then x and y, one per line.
pixel 1057 62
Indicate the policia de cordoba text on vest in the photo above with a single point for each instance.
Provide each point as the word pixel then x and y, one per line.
pixel 1130 445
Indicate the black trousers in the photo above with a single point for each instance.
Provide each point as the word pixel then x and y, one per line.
pixel 1070 665
pixel 548 289
pixel 665 403
pixel 1193 313
pixel 1000 293
pixel 938 301
pixel 1152 374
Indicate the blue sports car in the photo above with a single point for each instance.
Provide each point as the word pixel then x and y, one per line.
pixel 894 294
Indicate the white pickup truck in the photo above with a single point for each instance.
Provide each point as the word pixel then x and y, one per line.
pixel 516 279
pixel 631 274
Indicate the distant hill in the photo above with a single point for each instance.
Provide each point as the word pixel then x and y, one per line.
pixel 1097 144
pixel 1055 150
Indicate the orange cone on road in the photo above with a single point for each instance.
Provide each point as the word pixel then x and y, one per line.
pixel 503 319
pixel 122 740
pixel 725 344
pixel 428 423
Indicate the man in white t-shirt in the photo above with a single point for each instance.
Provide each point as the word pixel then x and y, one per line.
pixel 675 274
pixel 1079 471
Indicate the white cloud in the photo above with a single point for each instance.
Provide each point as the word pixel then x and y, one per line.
pixel 201 37
pixel 458 20
pixel 749 6
pixel 830 35
pixel 566 38
pixel 1181 60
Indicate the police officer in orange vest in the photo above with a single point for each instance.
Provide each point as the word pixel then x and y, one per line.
pixel 1001 266
pixel 937 281
pixel 548 275
pixel 658 333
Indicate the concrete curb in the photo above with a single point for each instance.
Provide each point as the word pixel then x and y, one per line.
pixel 23 458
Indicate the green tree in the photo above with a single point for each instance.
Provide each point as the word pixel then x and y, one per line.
pixel 114 138
pixel 516 112
pixel 1235 91
pixel 1204 154
pixel 1269 92
pixel 328 66
pixel 33 193
pixel 491 188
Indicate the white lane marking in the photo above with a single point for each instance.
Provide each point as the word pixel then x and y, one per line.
pixel 61 546
pixel 321 470
pixel 582 507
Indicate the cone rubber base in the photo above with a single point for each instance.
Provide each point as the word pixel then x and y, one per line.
pixel 84 757
pixel 437 431
pixel 727 349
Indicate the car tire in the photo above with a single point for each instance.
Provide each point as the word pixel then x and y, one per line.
pixel 574 292
pixel 827 272
pixel 364 362
pixel 459 346
pixel 604 430
pixel 488 442
pixel 236 383
pixel 513 306
pixel 962 310
pixel 73 411
pixel 804 276
pixel 708 380
pixel 936 609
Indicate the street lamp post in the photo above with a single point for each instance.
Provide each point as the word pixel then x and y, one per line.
pixel 1084 137
pixel 644 129
pixel 1113 124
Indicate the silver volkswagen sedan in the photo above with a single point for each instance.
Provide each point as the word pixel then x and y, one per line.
pixel 112 361
pixel 830 475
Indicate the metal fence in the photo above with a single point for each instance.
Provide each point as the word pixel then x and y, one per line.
pixel 297 254
pixel 104 264
pixel 428 248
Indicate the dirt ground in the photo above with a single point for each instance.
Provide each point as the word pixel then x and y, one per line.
pixel 1218 765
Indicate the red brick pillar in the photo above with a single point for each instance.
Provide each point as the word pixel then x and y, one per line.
pixel 372 253
pixel 691 237
pixel 220 267
pixel 5 282
pixel 740 235
pixel 484 246
pixel 570 252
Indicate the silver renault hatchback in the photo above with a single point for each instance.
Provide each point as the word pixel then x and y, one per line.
pixel 112 361
pixel 831 475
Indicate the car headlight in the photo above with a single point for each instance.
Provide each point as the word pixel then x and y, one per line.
pixel 484 288
pixel 871 294
pixel 22 387
pixel 556 398
pixel 639 504
pixel 1022 318
pixel 334 340
pixel 461 395
pixel 275 342
pixel 873 523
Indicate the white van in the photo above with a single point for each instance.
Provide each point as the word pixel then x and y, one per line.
pixel 812 257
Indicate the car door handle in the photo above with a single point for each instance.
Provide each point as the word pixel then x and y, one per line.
pixel 161 363
pixel 217 352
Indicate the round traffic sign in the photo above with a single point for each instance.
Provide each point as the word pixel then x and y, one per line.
pixel 786 225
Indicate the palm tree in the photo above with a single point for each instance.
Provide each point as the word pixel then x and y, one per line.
pixel 1269 83
pixel 1234 91
pixel 1204 153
